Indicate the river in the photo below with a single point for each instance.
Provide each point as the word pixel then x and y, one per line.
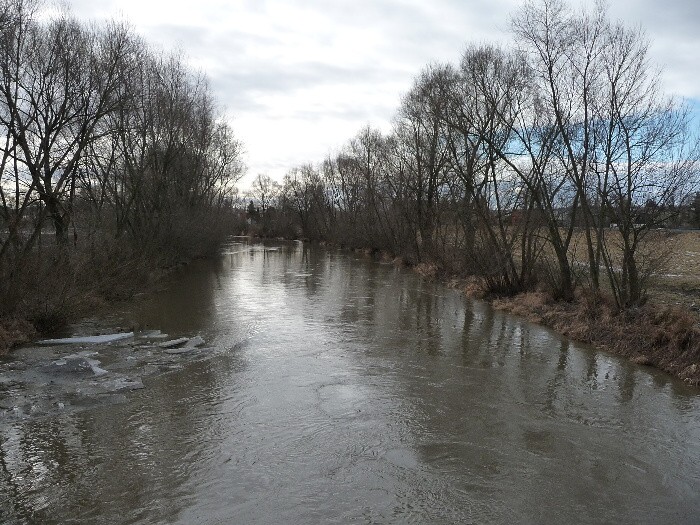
pixel 342 390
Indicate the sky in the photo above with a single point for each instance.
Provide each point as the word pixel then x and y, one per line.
pixel 299 78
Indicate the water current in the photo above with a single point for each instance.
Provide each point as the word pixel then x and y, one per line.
pixel 338 389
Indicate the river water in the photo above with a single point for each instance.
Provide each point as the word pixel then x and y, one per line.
pixel 342 390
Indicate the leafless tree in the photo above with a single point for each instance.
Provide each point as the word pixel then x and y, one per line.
pixel 421 155
pixel 264 190
pixel 101 135
pixel 617 141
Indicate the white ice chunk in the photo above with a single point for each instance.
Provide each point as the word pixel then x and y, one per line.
pixel 195 342
pixel 93 339
pixel 152 334
pixel 174 342
pixel 98 371
pixel 190 345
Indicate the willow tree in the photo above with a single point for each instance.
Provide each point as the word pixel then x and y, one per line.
pixel 489 100
pixel 648 160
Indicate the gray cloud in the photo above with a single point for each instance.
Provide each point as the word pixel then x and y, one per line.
pixel 673 28
pixel 327 66
pixel 680 18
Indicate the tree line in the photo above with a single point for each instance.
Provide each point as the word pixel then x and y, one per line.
pixel 551 162
pixel 110 152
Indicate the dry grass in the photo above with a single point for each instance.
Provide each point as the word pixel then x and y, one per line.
pixel 427 270
pixel 676 259
pixel 472 286
pixel 665 337
pixel 14 332
pixel 530 305
pixel 678 282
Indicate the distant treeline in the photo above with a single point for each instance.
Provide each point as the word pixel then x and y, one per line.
pixel 548 163
pixel 114 159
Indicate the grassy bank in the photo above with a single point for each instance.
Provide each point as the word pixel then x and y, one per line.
pixel 664 337
pixel 664 333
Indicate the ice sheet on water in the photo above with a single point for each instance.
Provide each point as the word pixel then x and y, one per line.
pixel 92 339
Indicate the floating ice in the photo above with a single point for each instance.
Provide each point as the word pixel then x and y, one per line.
pixel 92 339
pixel 75 364
pixel 195 342
pixel 174 342
pixel 190 344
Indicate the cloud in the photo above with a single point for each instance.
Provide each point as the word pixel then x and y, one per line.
pixel 673 29
pixel 302 76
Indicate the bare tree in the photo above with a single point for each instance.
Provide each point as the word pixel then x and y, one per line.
pixel 617 141
pixel 422 154
pixel 487 101
pixel 264 190
pixel 648 159
pixel 528 154
pixel 101 134
pixel 61 87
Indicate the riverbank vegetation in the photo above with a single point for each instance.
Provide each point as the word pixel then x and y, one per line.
pixel 115 163
pixel 552 169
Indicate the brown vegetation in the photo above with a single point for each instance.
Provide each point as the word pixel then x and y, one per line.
pixel 662 336
pixel 14 332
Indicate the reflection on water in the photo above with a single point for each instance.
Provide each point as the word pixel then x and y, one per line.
pixel 347 390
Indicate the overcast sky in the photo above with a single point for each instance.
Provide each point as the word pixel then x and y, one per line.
pixel 300 77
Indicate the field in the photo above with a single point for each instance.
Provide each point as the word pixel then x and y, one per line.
pixel 678 281
pixel 673 257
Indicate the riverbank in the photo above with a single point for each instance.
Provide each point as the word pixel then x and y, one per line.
pixel 51 302
pixel 664 333
pixel 51 313
pixel 664 337
pixel 659 335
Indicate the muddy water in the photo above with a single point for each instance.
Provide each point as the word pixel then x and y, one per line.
pixel 343 390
